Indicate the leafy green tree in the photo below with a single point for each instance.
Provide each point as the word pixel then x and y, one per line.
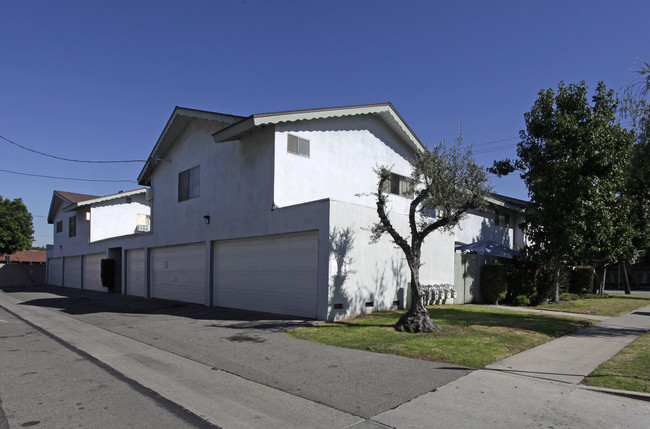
pixel 574 158
pixel 635 107
pixel 16 228
pixel 444 180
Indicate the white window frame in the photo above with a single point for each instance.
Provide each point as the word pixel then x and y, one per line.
pixel 298 145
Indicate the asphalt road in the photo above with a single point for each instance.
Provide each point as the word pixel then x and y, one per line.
pixel 246 345
pixel 44 383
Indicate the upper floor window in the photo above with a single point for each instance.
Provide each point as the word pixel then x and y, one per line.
pixel 398 185
pixel 188 184
pixel 298 145
pixel 502 219
pixel 72 226
pixel 59 226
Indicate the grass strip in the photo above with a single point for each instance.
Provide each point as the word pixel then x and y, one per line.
pixel 612 305
pixel 471 336
pixel 628 370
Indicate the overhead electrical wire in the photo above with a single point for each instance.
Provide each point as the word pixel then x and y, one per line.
pixel 69 178
pixel 495 141
pixel 20 213
pixel 69 159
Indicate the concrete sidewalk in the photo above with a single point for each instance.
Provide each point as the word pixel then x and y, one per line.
pixel 538 388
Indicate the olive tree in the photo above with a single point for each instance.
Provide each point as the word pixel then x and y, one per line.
pixel 445 181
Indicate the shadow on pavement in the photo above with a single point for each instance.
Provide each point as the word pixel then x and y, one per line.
pixel 82 302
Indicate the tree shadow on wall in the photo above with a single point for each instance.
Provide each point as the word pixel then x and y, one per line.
pixel 498 234
pixel 341 245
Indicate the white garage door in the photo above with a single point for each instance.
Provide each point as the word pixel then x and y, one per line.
pixel 72 272
pixel 54 271
pixel 92 272
pixel 135 272
pixel 276 274
pixel 178 273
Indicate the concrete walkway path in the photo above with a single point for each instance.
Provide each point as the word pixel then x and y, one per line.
pixel 538 388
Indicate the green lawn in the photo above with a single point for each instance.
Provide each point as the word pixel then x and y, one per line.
pixel 613 305
pixel 628 370
pixel 471 336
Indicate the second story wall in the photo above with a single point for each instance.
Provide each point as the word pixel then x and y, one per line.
pixel 232 183
pixel 71 240
pixel 117 217
pixel 342 155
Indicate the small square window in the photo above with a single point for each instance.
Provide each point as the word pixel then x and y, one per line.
pixel 188 184
pixel 297 145
pixel 72 226
pixel 398 185
pixel 59 226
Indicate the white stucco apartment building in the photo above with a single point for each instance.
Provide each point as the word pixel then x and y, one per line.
pixel 267 212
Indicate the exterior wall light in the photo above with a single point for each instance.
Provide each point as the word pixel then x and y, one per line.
pixel 206 218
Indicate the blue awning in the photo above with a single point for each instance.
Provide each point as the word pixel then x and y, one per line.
pixel 490 248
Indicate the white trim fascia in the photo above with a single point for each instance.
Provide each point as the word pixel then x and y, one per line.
pixel 386 111
pixel 105 198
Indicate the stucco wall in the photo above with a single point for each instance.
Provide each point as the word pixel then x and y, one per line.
pixel 479 226
pixel 236 187
pixel 65 245
pixel 117 217
pixel 343 154
pixel 378 272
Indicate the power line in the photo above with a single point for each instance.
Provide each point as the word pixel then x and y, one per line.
pixel 495 141
pixel 493 149
pixel 21 213
pixel 69 159
pixel 68 178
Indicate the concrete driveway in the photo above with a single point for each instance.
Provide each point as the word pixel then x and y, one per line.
pixel 250 346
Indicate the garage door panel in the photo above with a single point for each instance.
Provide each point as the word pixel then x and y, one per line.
pixel 72 272
pixel 178 273
pixel 54 271
pixel 276 274
pixel 92 279
pixel 135 265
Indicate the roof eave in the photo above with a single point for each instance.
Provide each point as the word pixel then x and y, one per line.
pixel 159 149
pixel 384 110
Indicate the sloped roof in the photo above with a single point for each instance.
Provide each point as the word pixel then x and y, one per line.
pixel 384 111
pixel 63 198
pixel 25 256
pixel 181 116
pixel 508 202
pixel 74 197
pixel 105 198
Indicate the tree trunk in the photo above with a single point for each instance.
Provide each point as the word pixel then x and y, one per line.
pixel 556 282
pixel 416 319
pixel 628 290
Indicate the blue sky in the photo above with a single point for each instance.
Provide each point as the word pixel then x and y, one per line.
pixel 97 80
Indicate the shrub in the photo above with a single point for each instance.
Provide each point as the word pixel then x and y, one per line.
pixel 569 297
pixel 543 285
pixel 582 280
pixel 108 273
pixel 521 278
pixel 522 301
pixel 494 283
